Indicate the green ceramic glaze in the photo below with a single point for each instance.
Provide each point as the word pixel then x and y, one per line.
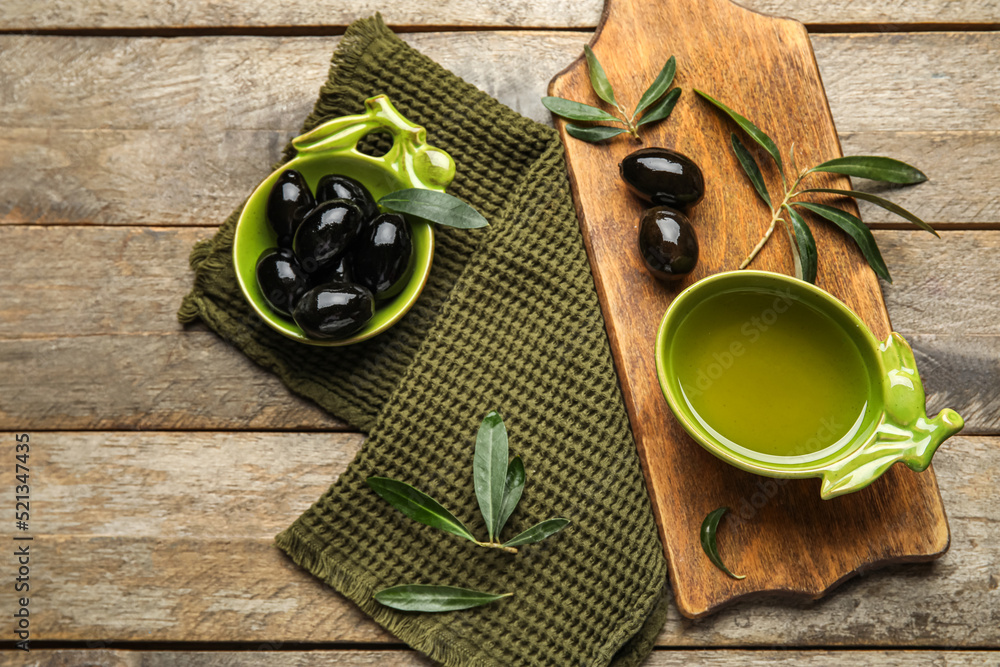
pixel 331 148
pixel 779 378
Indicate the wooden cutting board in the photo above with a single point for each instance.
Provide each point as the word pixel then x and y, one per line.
pixel 780 534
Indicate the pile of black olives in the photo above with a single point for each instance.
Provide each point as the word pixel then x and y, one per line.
pixel 336 256
pixel 671 182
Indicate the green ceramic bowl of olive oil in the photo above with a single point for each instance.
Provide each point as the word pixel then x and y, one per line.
pixel 332 148
pixel 777 377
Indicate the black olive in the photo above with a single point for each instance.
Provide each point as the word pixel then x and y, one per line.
pixel 335 186
pixel 383 255
pixel 282 281
pixel 663 176
pixel 667 243
pixel 288 204
pixel 336 310
pixel 326 232
pixel 338 271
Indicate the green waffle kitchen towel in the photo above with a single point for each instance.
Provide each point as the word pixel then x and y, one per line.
pixel 509 321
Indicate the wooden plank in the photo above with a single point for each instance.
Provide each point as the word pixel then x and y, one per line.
pixel 929 82
pixel 181 380
pixel 95 307
pixel 103 657
pixel 110 14
pixel 131 517
pixel 192 142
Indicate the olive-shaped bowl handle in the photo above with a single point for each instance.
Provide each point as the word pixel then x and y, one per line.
pixel 905 433
pixel 410 158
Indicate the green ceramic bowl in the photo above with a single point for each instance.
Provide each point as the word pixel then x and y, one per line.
pixel 716 326
pixel 331 148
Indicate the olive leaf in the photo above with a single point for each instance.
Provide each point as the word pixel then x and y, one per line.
pixel 659 86
pixel 418 506
pixel 662 109
pixel 538 532
pixel 884 203
pixel 805 244
pixel 428 598
pixel 512 490
pixel 489 468
pixel 755 132
pixel 750 167
pixel 577 110
pixel 433 206
pixel 856 229
pixel 652 111
pixel 709 527
pixel 873 167
pixel 598 79
pixel 595 133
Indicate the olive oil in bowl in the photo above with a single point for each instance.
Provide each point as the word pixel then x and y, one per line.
pixel 778 377
pixel 770 376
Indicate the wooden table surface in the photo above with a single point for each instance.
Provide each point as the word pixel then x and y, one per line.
pixel 163 462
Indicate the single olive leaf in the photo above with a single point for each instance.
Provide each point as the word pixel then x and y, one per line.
pixel 709 527
pixel 593 134
pixel 806 245
pixel 538 532
pixel 750 167
pixel 884 203
pixel 513 488
pixel 662 109
pixel 598 79
pixel 854 228
pixel 418 506
pixel 796 257
pixel 428 598
pixel 576 110
pixel 433 206
pixel 489 469
pixel 755 132
pixel 658 87
pixel 873 167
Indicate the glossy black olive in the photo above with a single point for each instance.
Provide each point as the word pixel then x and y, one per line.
pixel 288 204
pixel 336 310
pixel 338 271
pixel 326 232
pixel 662 176
pixel 281 280
pixel 667 242
pixel 383 254
pixel 335 186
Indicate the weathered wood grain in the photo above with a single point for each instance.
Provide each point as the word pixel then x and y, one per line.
pixel 929 82
pixel 135 549
pixel 272 656
pixel 60 14
pixel 194 139
pixel 88 329
pixel 181 380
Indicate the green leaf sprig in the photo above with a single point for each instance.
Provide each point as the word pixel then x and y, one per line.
pixel 655 105
pixel 709 527
pixel 803 244
pixel 433 206
pixel 499 484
